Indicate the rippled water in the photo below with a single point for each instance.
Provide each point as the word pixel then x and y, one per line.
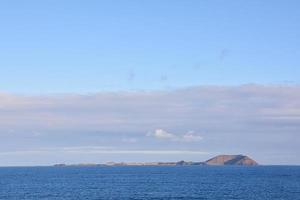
pixel 177 182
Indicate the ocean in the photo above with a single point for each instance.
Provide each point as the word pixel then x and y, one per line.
pixel 146 182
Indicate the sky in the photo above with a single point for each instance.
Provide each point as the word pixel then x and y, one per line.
pixel 100 81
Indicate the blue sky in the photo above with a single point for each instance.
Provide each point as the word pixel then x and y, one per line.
pixel 97 81
pixel 71 46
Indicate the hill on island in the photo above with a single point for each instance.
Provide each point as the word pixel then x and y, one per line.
pixel 231 160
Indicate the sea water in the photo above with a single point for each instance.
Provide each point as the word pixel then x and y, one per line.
pixel 156 182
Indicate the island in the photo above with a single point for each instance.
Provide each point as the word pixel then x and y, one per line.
pixel 231 160
pixel 240 160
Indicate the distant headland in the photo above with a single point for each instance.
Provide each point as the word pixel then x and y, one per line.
pixel 218 160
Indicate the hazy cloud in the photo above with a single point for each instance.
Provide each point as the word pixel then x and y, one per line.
pixel 222 109
pixel 100 151
pixel 231 119
pixel 129 140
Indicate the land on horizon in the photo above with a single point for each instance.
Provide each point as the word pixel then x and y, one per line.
pixel 217 160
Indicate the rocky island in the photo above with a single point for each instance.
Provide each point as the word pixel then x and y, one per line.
pixel 218 160
pixel 231 160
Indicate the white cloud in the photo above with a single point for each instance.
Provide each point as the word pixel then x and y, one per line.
pixel 162 134
pixel 190 136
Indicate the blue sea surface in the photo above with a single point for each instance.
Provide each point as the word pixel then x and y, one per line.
pixel 157 182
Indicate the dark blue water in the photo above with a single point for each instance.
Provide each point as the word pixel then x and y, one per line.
pixel 178 182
